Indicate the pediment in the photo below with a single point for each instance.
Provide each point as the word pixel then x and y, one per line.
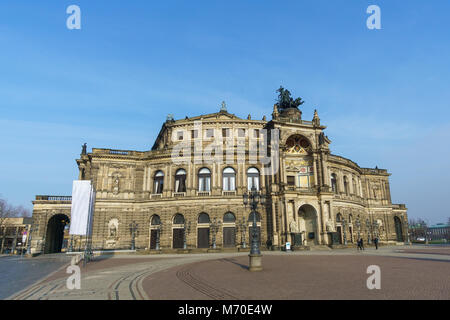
pixel 215 116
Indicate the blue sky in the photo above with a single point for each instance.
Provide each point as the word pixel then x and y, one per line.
pixel 384 94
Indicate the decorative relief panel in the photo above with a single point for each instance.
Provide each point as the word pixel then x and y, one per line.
pixel 298 145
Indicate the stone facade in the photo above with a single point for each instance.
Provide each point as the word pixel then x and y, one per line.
pixel 313 196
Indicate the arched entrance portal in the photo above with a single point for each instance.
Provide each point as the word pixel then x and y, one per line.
pixel 308 224
pixel 398 229
pixel 55 233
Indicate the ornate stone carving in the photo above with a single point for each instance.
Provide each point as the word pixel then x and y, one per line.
pixel 293 226
pixel 298 145
pixel 113 228
pixel 330 226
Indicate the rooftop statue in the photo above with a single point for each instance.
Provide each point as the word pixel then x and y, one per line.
pixel 285 100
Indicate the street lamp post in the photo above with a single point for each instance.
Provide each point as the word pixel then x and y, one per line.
pixel 215 228
pixel 187 229
pixel 376 227
pixel 71 244
pixel 368 227
pixel 158 234
pixel 133 228
pixel 243 226
pixel 255 258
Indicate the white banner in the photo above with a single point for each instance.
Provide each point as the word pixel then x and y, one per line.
pixel 83 199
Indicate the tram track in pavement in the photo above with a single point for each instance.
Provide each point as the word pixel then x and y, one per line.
pixel 187 276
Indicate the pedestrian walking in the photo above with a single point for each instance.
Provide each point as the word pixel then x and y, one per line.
pixel 362 244
pixel 375 241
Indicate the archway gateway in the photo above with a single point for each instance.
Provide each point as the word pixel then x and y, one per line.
pixel 398 229
pixel 55 233
pixel 308 224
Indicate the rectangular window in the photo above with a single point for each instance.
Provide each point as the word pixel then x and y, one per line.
pixel 204 184
pixel 194 134
pixel 180 135
pixel 256 133
pixel 229 183
pixel 291 180
pixel 209 133
pixel 253 181
pixel 225 133
pixel 180 183
pixel 159 185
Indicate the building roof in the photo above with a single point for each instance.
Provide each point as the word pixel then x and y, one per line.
pixel 439 225
pixel 17 221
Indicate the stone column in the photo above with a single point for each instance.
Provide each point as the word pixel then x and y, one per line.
pixel 325 169
pixel 316 177
pixel 274 225
pixel 145 178
pixel 282 208
pixel 322 230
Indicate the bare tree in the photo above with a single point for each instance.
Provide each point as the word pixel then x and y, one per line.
pixel 418 228
pixel 9 211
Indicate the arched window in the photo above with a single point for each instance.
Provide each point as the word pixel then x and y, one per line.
pixel 178 219
pixel 229 179
pixel 297 144
pixel 204 180
pixel 252 178
pixel 159 182
pixel 156 220
pixel 346 185
pixel 180 180
pixel 350 218
pixel 203 218
pixel 339 217
pixel 334 183
pixel 229 217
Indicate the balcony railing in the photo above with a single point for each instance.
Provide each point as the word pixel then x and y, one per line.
pixel 120 152
pixel 54 198
pixel 179 194
pixel 203 193
pixel 229 193
pixel 299 189
pixel 156 195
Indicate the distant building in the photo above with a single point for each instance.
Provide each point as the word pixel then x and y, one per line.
pixel 11 234
pixel 439 231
